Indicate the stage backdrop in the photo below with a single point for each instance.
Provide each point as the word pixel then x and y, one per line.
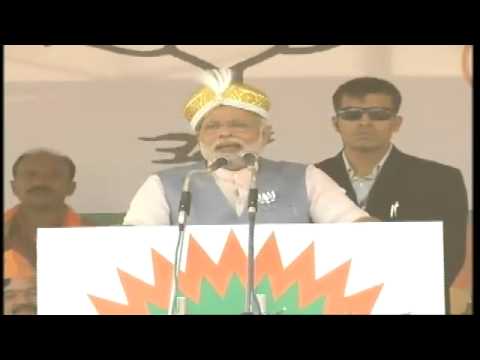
pixel 111 107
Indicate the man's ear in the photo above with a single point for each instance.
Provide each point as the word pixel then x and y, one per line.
pixel 335 123
pixel 12 184
pixel 397 123
pixel 267 134
pixel 71 188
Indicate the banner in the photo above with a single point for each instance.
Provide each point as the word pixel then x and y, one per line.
pixel 362 268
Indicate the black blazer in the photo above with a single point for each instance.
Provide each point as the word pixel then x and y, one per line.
pixel 425 190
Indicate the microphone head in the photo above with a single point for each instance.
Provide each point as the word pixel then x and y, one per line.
pixel 217 164
pixel 234 161
pixel 250 159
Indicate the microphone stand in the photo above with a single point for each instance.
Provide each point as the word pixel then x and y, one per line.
pixel 183 213
pixel 251 298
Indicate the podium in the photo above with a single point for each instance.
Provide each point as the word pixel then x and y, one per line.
pixel 315 269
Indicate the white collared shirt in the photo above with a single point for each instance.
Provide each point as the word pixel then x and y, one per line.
pixel 363 184
pixel 328 201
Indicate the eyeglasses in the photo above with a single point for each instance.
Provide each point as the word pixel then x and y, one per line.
pixel 374 113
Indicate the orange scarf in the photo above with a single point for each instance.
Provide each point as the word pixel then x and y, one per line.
pixel 15 265
pixel 72 219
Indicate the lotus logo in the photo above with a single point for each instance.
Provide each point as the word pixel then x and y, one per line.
pixel 266 198
pixel 219 287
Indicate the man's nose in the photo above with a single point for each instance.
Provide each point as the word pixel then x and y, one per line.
pixel 365 119
pixel 41 180
pixel 225 131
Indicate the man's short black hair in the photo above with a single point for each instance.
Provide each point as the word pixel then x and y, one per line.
pixel 361 87
pixel 66 159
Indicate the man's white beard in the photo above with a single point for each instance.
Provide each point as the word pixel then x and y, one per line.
pixel 234 158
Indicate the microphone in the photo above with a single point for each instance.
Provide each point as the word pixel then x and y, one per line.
pixel 183 212
pixel 215 165
pixel 251 160
pixel 186 196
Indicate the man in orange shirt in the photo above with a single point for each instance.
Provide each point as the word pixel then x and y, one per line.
pixel 42 180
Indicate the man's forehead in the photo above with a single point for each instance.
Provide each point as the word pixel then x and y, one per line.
pixel 370 98
pixel 43 156
pixel 229 112
pixel 42 160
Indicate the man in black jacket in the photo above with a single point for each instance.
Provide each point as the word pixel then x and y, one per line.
pixel 387 183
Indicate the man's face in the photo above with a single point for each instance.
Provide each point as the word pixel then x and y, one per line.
pixel 42 181
pixel 361 131
pixel 228 131
pixel 20 297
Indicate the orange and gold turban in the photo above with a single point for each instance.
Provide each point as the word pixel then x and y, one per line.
pixel 220 90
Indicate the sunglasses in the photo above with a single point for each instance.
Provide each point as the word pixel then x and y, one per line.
pixel 374 113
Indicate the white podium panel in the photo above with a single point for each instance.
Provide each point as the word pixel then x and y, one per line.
pixel 359 268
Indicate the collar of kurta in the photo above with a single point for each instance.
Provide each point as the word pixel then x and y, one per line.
pixel 240 177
